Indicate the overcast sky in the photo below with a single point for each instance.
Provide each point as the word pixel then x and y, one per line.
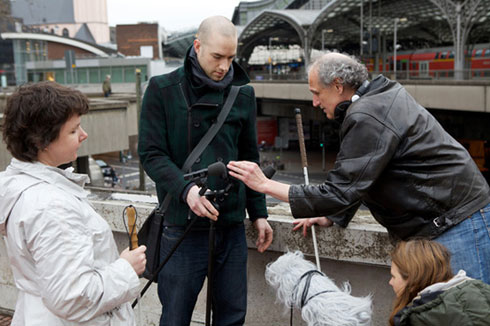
pixel 173 15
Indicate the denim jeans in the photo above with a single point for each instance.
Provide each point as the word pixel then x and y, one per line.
pixel 469 244
pixel 182 278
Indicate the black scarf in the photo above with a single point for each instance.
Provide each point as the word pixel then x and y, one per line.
pixel 199 77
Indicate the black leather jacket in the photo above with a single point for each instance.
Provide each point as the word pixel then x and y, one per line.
pixel 397 160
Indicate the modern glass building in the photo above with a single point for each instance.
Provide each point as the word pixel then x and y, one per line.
pixel 88 71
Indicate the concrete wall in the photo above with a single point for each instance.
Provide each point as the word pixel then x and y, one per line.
pixel 108 124
pixel 449 95
pixel 358 254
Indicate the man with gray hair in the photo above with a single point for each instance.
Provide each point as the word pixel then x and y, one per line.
pixel 396 159
pixel 178 110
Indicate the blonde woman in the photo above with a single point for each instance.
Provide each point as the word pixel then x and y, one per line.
pixel 427 292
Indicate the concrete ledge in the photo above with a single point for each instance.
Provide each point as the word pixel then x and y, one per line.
pixel 358 254
pixel 470 96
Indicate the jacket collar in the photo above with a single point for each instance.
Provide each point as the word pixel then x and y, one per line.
pixel 20 176
pixel 66 180
pixel 443 286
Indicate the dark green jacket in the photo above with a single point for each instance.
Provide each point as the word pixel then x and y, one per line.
pixel 466 304
pixel 175 115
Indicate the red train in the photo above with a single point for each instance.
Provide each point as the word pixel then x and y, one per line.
pixel 437 63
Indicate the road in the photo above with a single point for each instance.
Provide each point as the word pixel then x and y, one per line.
pixel 128 174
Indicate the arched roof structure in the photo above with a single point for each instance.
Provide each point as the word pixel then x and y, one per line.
pixel 342 19
pixel 339 24
pixel 97 50
pixel 177 45
pixel 284 26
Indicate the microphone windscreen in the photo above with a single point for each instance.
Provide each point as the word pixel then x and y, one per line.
pixel 217 169
pixel 269 171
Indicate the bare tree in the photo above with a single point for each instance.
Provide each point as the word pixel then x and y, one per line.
pixel 461 16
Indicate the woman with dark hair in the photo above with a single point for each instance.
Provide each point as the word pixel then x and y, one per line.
pixel 427 292
pixel 63 255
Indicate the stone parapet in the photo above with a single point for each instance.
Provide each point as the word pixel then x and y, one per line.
pixel 358 254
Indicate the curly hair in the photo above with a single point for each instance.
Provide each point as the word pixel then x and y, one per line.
pixel 421 263
pixel 340 67
pixel 35 114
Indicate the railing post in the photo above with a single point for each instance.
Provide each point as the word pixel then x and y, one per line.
pixel 138 110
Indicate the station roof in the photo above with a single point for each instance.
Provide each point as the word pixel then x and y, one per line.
pixel 177 44
pixel 421 24
pixel 285 27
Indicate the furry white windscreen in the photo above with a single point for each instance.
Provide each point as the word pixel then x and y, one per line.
pixel 332 307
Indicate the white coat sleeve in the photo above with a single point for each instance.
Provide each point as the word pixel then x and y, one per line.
pixel 71 286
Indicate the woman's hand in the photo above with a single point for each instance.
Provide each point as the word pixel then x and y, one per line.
pixel 136 258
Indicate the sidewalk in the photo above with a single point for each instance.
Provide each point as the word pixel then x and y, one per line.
pixel 290 160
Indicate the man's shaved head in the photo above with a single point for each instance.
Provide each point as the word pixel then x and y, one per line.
pixel 216 25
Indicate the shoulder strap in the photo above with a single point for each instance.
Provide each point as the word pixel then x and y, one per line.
pixel 208 137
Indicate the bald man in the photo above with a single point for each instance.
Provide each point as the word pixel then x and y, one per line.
pixel 178 109
pixel 394 158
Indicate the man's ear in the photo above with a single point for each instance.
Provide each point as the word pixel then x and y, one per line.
pixel 197 45
pixel 339 87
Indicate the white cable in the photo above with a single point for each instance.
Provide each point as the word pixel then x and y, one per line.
pixel 313 232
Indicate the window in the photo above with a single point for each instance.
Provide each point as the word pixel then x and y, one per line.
pixel 117 75
pixel 82 75
pixel 129 75
pixel 424 68
pixel 94 76
pixel 65 32
pixel 59 76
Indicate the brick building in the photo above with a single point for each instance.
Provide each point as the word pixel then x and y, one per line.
pixel 142 40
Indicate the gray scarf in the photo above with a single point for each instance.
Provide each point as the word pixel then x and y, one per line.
pixel 199 77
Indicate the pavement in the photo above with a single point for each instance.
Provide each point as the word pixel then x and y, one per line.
pixel 287 163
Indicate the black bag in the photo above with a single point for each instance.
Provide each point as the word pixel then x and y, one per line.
pixel 150 233
pixel 150 236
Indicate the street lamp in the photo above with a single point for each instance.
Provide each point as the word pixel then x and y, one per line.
pixel 270 57
pixel 401 20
